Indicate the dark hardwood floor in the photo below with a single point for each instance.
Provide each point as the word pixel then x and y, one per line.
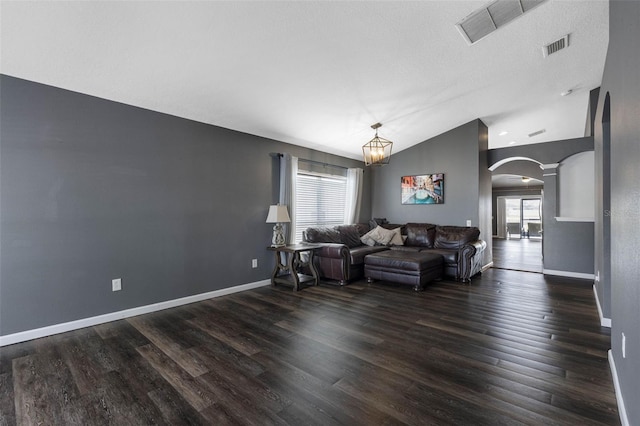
pixel 518 254
pixel 511 348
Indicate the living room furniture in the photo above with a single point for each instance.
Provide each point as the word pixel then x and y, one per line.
pixel 278 214
pixel 341 256
pixel 460 247
pixel 513 229
pixel 414 268
pixel 290 272
pixel 534 229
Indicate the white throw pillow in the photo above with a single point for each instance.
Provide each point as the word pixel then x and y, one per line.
pixel 367 240
pixel 378 235
pixel 397 237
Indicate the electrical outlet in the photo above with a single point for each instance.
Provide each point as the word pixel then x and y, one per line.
pixel 624 346
pixel 598 276
pixel 468 222
pixel 254 263
pixel 116 284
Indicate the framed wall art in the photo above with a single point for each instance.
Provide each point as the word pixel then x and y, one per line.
pixel 423 189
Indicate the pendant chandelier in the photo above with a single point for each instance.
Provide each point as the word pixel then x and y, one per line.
pixel 377 152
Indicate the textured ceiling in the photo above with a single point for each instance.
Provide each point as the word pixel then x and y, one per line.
pixel 318 74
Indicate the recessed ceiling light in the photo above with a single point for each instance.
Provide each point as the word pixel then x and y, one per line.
pixel 502 133
pixel 512 143
pixel 566 92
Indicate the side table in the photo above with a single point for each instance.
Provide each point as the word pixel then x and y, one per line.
pixel 292 264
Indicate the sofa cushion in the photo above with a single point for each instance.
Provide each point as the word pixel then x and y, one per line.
pixel 323 235
pixel 455 237
pixel 405 248
pixel 350 234
pixel 450 256
pixel 420 234
pixel 358 253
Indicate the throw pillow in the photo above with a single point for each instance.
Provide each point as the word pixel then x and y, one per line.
pixel 367 240
pixel 378 236
pixel 396 240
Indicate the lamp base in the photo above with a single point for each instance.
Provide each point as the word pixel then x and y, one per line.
pixel 278 236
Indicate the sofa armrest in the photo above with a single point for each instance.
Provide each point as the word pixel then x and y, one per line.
pixel 333 261
pixel 332 250
pixel 470 260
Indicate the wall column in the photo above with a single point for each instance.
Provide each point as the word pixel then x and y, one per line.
pixel 549 204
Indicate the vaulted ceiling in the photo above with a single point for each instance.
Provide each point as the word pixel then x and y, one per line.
pixel 319 73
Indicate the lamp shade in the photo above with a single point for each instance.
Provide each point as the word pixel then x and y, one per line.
pixel 278 214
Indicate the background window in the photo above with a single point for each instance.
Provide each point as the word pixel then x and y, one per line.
pixel 320 201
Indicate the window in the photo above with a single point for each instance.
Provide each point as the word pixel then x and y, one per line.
pixel 524 217
pixel 320 200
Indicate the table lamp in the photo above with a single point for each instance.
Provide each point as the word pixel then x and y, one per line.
pixel 278 214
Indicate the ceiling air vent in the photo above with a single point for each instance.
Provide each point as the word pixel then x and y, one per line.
pixel 557 45
pixel 539 132
pixel 492 16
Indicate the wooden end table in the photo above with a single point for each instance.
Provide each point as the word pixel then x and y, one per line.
pixel 293 262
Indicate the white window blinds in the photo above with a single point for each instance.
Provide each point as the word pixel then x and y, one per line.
pixel 320 200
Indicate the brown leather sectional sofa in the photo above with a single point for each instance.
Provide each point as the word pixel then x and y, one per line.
pixel 341 255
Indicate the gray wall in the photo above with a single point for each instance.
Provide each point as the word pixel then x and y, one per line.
pixel 602 215
pixel 621 80
pixel 458 154
pixel 484 191
pixel 92 190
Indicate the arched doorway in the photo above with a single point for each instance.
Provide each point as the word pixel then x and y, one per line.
pixel 517 189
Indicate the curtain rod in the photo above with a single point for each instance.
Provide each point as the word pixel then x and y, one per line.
pixel 322 164
pixel 317 162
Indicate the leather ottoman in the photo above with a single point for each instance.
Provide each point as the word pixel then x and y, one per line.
pixel 414 268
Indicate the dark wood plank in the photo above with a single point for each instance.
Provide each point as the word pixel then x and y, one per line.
pixel 518 254
pixel 510 348
pixel 43 387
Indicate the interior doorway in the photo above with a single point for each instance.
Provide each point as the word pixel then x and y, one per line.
pixel 517 244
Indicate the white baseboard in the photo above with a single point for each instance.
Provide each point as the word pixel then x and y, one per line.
pixel 622 411
pixel 569 274
pixel 605 322
pixel 487 266
pixel 50 330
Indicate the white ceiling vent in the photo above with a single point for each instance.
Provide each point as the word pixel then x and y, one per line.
pixel 555 46
pixel 492 16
